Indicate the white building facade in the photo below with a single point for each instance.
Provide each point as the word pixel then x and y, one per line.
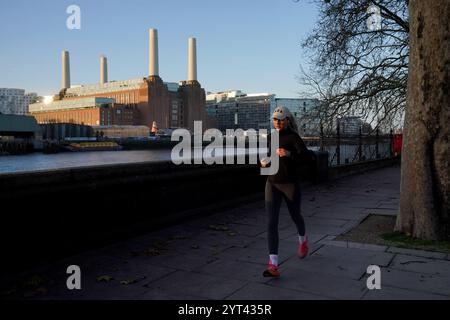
pixel 236 109
pixel 15 101
pixel 302 110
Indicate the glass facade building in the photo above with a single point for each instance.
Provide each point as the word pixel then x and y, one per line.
pixel 301 109
pixel 236 110
pixel 15 101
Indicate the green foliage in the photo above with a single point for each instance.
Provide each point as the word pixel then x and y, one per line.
pixel 401 240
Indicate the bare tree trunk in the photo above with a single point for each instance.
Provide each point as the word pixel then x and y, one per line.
pixel 425 182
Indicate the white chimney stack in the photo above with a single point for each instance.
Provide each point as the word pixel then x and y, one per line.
pixel 153 59
pixel 192 73
pixel 103 70
pixel 65 84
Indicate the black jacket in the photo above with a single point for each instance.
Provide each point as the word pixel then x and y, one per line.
pixel 289 167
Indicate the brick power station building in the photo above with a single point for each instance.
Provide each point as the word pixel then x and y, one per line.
pixel 131 102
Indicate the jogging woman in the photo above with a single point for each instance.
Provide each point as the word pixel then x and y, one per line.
pixel 284 185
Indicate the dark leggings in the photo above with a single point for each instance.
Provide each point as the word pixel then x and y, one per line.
pixel 292 195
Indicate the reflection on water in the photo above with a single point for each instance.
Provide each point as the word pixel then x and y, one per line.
pixel 42 162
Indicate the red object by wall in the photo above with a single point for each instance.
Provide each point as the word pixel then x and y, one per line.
pixel 397 143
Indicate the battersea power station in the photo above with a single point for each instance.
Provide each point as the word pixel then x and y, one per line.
pixel 144 101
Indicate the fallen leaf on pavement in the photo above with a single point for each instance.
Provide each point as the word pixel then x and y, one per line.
pixel 131 281
pixel 218 227
pixel 104 279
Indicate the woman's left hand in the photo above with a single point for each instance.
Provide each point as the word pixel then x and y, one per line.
pixel 283 153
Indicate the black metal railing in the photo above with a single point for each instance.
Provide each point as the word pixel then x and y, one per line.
pixel 345 149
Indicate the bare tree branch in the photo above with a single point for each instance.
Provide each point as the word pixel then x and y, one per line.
pixel 354 70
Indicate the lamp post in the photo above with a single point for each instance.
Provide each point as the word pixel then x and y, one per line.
pixel 236 119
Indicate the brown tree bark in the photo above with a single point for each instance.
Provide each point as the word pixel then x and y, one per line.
pixel 425 176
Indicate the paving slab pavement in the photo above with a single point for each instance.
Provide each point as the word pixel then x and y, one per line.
pixel 223 255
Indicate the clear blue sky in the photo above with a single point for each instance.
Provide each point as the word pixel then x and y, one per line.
pixel 251 45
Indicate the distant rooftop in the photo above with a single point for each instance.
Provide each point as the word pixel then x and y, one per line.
pixel 16 91
pixel 233 95
pixel 88 102
pixel 259 94
pixel 172 86
pixel 112 86
pixel 17 123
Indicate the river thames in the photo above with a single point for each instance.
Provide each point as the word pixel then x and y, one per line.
pixel 44 162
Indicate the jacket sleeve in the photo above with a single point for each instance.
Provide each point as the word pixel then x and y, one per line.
pixel 300 153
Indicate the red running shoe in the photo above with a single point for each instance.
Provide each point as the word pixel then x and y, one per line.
pixel 271 271
pixel 303 249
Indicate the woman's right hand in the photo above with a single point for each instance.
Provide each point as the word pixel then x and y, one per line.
pixel 265 162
